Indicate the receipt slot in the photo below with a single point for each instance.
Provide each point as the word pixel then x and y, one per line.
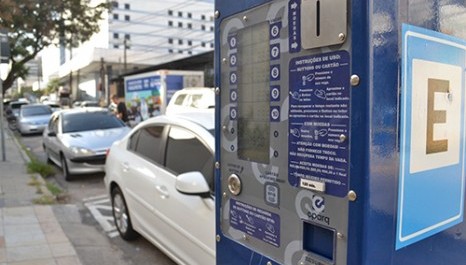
pixel 340 132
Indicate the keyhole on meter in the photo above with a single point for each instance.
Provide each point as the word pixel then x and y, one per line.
pixel 318 18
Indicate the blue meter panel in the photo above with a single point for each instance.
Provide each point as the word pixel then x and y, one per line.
pixel 283 129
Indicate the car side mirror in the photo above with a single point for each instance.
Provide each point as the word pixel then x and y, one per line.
pixel 52 134
pixel 192 183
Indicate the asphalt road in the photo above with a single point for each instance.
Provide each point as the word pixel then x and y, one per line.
pixel 85 216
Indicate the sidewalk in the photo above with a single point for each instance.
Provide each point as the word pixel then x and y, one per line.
pixel 29 234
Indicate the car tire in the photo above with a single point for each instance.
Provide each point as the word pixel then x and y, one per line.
pixel 64 167
pixel 121 215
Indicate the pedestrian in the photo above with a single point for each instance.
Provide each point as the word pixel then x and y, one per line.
pixel 120 111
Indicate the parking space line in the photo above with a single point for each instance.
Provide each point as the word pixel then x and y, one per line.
pixel 101 210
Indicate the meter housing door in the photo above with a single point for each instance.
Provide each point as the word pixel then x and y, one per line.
pixel 283 132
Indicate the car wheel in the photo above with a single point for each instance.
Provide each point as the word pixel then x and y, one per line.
pixel 64 167
pixel 121 215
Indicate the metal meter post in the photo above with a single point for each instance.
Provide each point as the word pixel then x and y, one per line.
pixel 341 136
pixel 4 59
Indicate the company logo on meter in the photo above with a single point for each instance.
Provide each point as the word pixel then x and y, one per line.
pixel 317 208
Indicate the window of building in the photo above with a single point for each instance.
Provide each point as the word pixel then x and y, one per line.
pixel 170 12
pixel 116 46
pixel 180 51
pixel 180 41
pixel 170 23
pixel 203 44
pixel 127 36
pixel 211 28
pixel 180 14
pixel 115 4
pixel 190 52
pixel 211 45
pixel 127 17
pixel 190 43
pixel 127 6
pixel 115 16
pixel 180 24
pixel 116 36
pixel 203 27
pixel 203 17
pixel 190 15
pixel 170 41
pixel 170 51
pixel 190 26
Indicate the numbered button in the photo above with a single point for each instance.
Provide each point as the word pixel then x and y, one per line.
pixel 275 93
pixel 232 42
pixel 233 60
pixel 233 95
pixel 233 78
pixel 275 30
pixel 233 113
pixel 275 72
pixel 275 52
pixel 275 113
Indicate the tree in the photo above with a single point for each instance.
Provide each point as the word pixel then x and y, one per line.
pixel 36 24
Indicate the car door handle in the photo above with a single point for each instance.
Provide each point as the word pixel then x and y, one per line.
pixel 125 166
pixel 163 191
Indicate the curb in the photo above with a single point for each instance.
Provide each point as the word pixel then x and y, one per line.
pixel 26 159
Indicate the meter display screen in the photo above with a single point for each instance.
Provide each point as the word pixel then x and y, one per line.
pixel 253 93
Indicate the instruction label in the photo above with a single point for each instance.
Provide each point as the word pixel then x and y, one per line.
pixel 256 222
pixel 319 114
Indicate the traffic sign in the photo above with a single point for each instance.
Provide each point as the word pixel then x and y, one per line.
pixel 432 147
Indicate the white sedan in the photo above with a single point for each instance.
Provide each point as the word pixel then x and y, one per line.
pixel 160 178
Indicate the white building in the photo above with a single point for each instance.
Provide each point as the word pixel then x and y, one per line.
pixel 154 32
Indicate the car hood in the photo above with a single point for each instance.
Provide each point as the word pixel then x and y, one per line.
pixel 38 119
pixel 98 140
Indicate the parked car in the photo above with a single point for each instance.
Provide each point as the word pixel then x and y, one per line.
pixel 54 106
pixel 160 178
pixel 78 139
pixel 192 99
pixel 88 103
pixel 12 111
pixel 33 118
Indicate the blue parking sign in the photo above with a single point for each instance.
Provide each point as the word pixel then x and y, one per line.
pixel 432 148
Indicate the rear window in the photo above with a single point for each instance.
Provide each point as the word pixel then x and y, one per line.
pixel 17 105
pixel 35 111
pixel 89 121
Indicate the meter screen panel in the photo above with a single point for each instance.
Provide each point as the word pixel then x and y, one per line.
pixel 253 93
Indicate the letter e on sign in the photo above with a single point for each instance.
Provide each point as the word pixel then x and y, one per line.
pixel 435 116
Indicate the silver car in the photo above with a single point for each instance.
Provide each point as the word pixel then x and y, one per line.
pixel 77 139
pixel 33 118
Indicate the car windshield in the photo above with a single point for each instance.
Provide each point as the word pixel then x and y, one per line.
pixel 35 111
pixel 89 121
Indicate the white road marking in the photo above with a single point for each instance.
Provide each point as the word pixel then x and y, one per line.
pixel 99 206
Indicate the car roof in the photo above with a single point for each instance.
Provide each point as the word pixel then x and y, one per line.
pixel 34 106
pixel 80 110
pixel 205 120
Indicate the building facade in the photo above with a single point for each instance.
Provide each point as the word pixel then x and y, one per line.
pixel 134 34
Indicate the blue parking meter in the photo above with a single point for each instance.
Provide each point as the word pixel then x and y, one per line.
pixel 340 132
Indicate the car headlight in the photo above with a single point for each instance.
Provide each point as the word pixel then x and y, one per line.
pixel 81 150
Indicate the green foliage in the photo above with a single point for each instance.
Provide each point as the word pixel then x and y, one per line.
pixel 52 86
pixel 45 170
pixel 54 189
pixel 36 24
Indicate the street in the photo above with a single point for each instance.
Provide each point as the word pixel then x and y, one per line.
pixel 86 218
